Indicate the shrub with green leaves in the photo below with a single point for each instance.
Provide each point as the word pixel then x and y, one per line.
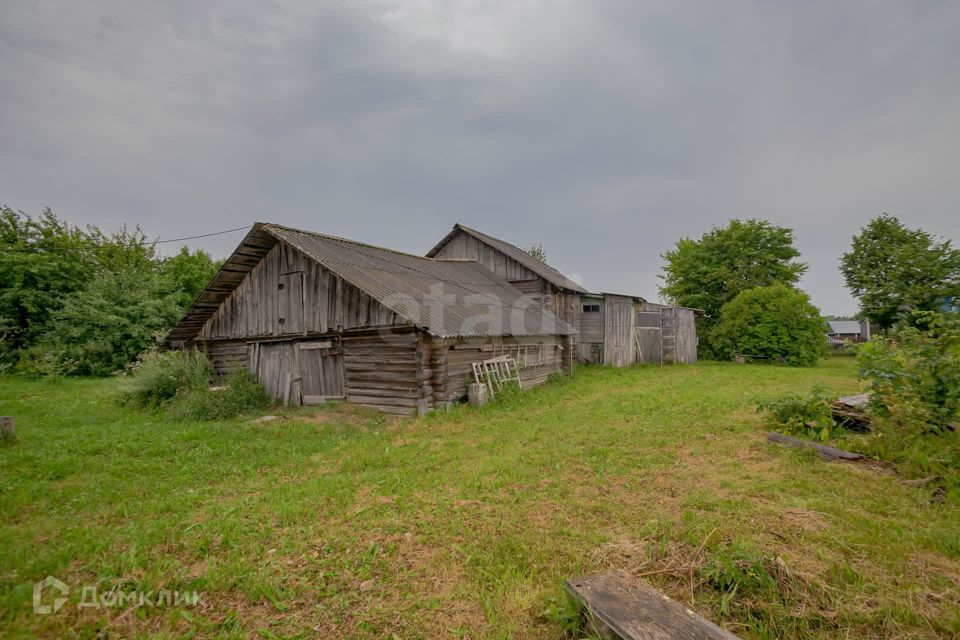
pixel 158 376
pixel 915 399
pixel 915 374
pixel 240 393
pixel 771 322
pixel 802 414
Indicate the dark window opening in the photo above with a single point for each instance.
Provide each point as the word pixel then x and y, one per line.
pixel 591 308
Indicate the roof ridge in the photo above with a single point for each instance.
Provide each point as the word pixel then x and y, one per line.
pixel 345 240
pixel 557 278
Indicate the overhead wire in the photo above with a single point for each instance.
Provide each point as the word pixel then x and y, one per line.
pixel 9 249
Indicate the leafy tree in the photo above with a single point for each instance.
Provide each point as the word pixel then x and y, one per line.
pixel 776 322
pixel 106 325
pixel 188 273
pixel 536 250
pixel 710 272
pixel 42 259
pixel 84 300
pixel 893 270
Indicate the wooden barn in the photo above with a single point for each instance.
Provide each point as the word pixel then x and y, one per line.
pixel 611 329
pixel 317 317
pixel 543 283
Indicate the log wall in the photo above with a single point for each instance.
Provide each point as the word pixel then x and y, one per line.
pixel 227 357
pixel 451 370
pixel 387 372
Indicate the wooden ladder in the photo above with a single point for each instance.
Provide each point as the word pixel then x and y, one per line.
pixel 496 372
pixel 668 334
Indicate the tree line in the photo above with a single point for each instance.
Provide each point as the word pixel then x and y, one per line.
pixel 81 300
pixel 744 277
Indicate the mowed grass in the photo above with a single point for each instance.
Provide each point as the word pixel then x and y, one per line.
pixel 342 523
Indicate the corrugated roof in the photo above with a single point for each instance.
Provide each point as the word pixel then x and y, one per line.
pixel 844 326
pixel 542 269
pixel 446 298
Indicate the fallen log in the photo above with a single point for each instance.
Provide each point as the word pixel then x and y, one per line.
pixel 824 451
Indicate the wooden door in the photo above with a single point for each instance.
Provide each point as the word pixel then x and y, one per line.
pixel 275 365
pixel 321 371
pixel 619 334
pixel 290 302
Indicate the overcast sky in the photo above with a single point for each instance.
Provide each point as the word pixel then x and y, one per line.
pixel 603 130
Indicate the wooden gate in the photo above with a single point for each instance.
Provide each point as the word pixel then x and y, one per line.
pixel 321 371
pixel 619 335
pixel 299 372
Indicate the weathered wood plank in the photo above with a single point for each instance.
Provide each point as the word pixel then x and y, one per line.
pixel 824 451
pixel 634 610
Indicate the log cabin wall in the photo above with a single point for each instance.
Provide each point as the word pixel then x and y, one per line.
pixel 288 294
pixel 227 357
pixel 450 361
pixel 388 371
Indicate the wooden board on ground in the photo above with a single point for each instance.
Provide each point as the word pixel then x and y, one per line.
pixel 633 610
pixel 824 451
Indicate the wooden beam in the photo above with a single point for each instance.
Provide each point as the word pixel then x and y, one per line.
pixel 631 609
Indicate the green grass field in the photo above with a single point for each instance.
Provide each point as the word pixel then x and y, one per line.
pixel 341 523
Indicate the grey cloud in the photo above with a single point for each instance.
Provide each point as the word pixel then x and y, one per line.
pixel 603 130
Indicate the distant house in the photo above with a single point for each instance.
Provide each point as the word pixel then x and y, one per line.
pixel 316 317
pixel 611 329
pixel 840 331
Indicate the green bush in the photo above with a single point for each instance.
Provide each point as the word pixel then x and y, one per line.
pixel 103 327
pixel 45 361
pixel 771 322
pixel 915 399
pixel 158 376
pixel 241 393
pixel 915 375
pixel 808 414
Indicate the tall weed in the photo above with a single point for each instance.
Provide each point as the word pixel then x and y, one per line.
pixel 240 393
pixel 158 376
